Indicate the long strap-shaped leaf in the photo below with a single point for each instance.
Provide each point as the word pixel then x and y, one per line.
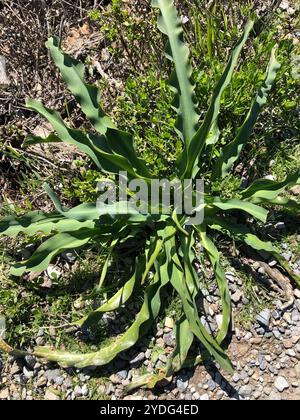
pixel 170 25
pixel 234 204
pixel 95 147
pixel 184 340
pixel 242 234
pixel 86 95
pixel 148 313
pixel 198 142
pixel 119 299
pixel 265 189
pixel 214 257
pixel 231 152
pixel 38 222
pixel 189 306
pixel 42 257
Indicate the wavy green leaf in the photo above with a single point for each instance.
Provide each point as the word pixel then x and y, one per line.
pixel 214 257
pixel 39 222
pixel 181 79
pixel 241 233
pixel 199 140
pixel 94 146
pixel 143 322
pixel 231 152
pixel 86 95
pixel 44 254
pixel 177 279
pixel 234 204
pixel 265 190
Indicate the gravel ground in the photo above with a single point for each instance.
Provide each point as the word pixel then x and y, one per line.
pixel 266 357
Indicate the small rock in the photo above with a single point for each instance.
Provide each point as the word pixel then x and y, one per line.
pixel 182 385
pixel 40 341
pixel 248 336
pixel 272 263
pixel 30 361
pixel 236 378
pixel 296 190
pixel 69 256
pixel 169 322
pixel 204 397
pixel 138 359
pixel 276 315
pixel 237 296
pixel 123 374
pixel 287 255
pixel 196 396
pixel 246 391
pixel 288 344
pixel 280 226
pixel 274 396
pixel 51 375
pixel 4 394
pixel 297 293
pixel 263 318
pixel 281 384
pixel 41 382
pixel 50 396
pixel 77 391
pixel 59 380
pixel 85 390
pixel 4 80
pixel 169 339
pixel 291 353
pixel 27 373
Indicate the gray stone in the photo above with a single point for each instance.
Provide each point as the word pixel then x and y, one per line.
pixel 263 318
pixel 236 378
pixel 59 380
pixel 50 396
pixel 51 375
pixel 69 256
pixel 237 296
pixel 123 374
pixel 169 339
pixel 211 385
pixel 276 315
pixel 262 363
pixel 287 255
pixel 40 341
pixel 182 385
pixel 196 396
pixel 281 384
pixel 27 373
pixel 85 390
pixel 280 226
pixel 277 334
pixel 4 80
pixel 77 391
pixel 246 391
pixel 30 361
pixel 274 396
pixel 138 359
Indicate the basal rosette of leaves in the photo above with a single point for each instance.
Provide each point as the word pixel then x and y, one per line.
pixel 168 249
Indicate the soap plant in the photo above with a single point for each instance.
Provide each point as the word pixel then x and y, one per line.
pixel 165 246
